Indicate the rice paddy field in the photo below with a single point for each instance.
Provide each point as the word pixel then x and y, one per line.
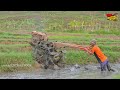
pixel 78 27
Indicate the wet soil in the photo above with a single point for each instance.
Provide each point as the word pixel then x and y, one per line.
pixel 69 72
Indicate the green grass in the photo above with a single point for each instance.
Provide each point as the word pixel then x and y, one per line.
pixel 112 56
pixel 104 32
pixel 71 38
pixel 80 57
pixel 81 38
pixel 14 36
pixel 116 76
pixel 15 40
pixel 14 47
pixel 13 58
pixel 110 48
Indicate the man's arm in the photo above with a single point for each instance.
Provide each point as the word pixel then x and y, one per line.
pixel 88 50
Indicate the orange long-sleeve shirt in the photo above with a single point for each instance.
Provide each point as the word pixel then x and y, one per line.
pixel 99 53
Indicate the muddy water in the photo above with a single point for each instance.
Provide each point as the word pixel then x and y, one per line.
pixel 69 72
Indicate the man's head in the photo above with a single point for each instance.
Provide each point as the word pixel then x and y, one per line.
pixel 93 42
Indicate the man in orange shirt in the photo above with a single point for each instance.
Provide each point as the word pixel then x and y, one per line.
pixel 102 59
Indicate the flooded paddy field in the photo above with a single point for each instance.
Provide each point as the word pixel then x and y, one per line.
pixel 69 72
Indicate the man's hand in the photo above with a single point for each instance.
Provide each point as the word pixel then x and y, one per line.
pixel 88 50
pixel 91 53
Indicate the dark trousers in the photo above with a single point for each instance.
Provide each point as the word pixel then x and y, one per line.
pixel 105 65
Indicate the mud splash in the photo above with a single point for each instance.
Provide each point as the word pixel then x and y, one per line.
pixel 69 72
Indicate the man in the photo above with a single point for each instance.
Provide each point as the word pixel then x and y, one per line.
pixel 102 59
